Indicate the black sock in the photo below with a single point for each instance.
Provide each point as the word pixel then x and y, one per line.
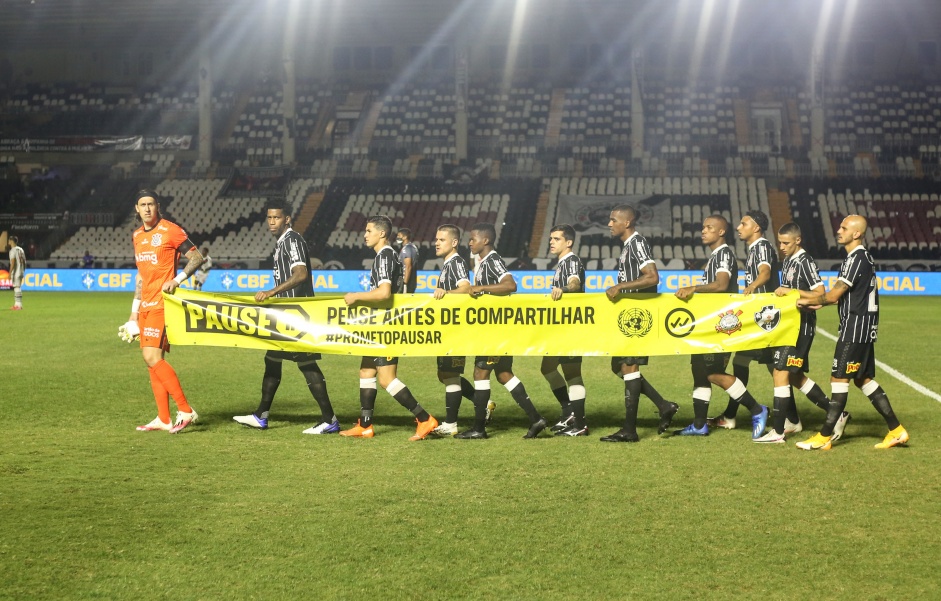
pixel 481 398
pixel 818 397
pixel 367 403
pixel 749 402
pixel 791 412
pixel 405 398
pixel 779 412
pixel 740 372
pixel 317 385
pixel 452 405
pixel 837 404
pixel 700 413
pixel 526 404
pixel 467 390
pixel 880 400
pixel 561 394
pixel 651 393
pixel 577 408
pixel 632 390
pixel 269 386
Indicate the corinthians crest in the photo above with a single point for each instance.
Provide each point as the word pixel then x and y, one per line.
pixel 635 322
pixel 768 318
pixel 156 240
pixel 729 323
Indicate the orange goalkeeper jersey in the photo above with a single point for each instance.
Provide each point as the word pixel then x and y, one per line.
pixel 156 252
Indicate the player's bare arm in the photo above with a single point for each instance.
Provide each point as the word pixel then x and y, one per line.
pixel 193 260
pixel 462 288
pixel 504 287
pixel 298 275
pixel 720 284
pixel 138 295
pixel 764 274
pixel 649 276
pixel 815 300
pixel 574 284
pixel 382 292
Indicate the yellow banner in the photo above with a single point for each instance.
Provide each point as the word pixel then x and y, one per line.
pixel 524 324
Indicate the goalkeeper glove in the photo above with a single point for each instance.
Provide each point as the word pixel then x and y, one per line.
pixel 129 332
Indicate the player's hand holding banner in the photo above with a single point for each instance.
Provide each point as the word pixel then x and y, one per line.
pixel 129 332
pixel 418 325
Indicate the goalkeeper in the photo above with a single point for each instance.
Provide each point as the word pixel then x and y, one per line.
pixel 158 244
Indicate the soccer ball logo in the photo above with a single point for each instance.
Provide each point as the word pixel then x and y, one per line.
pixel 635 322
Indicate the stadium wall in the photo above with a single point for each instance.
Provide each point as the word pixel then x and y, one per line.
pixel 326 282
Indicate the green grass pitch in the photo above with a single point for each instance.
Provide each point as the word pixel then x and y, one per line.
pixel 92 509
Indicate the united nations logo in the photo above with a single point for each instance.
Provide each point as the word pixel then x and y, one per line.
pixel 635 322
pixel 156 239
pixel 729 323
pixel 768 318
pixel 679 323
pixel 227 280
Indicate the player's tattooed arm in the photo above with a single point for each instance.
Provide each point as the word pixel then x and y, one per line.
pixel 823 298
pixel 194 259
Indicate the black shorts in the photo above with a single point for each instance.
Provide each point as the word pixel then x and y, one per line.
pixel 764 356
pixel 292 356
pixel 854 361
pixel 381 361
pixel 794 359
pixel 711 363
pixel 500 363
pixel 617 362
pixel 451 365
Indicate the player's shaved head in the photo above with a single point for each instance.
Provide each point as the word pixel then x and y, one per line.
pixel 627 210
pixel 857 223
pixel 722 223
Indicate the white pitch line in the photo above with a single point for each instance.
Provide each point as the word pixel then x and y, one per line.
pixel 894 373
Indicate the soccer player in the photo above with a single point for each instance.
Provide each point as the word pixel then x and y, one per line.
pixel 292 280
pixel 761 276
pixel 637 272
pixel 452 280
pixel 791 363
pixel 158 244
pixel 720 275
pixel 17 271
pixel 569 277
pixel 855 355
pixel 203 272
pixel 409 257
pixel 492 277
pixel 384 279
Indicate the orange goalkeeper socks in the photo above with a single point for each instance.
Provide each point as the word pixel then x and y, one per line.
pixel 161 396
pixel 171 384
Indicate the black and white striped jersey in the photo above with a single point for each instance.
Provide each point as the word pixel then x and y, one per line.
pixel 722 259
pixel 761 252
pixel 859 306
pixel 800 273
pixel 569 266
pixel 387 267
pixel 453 273
pixel 635 255
pixel 290 251
pixel 490 270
